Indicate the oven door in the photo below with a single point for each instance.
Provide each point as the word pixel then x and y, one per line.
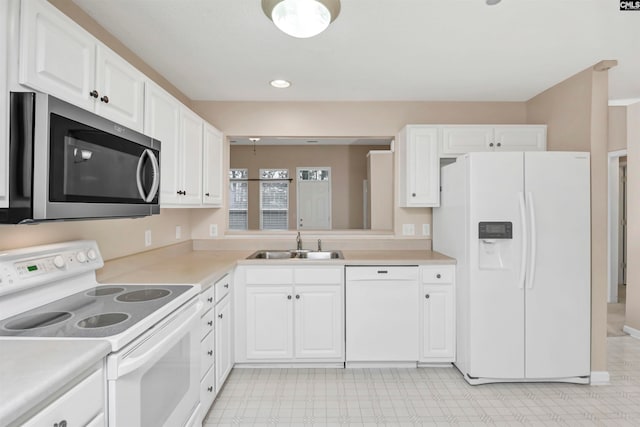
pixel 154 381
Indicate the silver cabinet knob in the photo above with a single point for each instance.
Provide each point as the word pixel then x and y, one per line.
pixel 438 276
pixel 288 296
pixel 220 315
pixel 427 296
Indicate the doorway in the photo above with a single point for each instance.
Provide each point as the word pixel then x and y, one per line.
pixel 314 198
pixel 617 264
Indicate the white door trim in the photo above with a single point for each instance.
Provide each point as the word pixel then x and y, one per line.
pixel 613 196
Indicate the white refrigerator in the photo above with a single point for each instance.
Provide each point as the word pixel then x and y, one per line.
pixel 518 224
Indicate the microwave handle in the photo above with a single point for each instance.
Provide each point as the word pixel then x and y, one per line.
pixel 156 176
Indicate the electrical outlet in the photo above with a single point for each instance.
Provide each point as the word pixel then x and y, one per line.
pixel 426 229
pixel 147 238
pixel 408 230
pixel 178 232
pixel 213 230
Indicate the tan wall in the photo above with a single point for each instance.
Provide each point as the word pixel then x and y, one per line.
pixel 617 128
pixel 633 215
pixel 380 178
pixel 88 23
pixel 348 168
pixel 576 113
pixel 115 237
pixel 348 119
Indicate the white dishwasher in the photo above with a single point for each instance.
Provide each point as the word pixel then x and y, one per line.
pixel 382 306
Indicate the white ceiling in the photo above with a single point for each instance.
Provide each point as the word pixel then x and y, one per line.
pixel 379 50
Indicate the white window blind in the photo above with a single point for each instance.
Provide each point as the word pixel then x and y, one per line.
pixel 274 199
pixel 238 199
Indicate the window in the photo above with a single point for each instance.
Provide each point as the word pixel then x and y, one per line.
pixel 238 199
pixel 274 199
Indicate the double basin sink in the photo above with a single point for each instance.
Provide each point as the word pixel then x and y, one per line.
pixel 295 254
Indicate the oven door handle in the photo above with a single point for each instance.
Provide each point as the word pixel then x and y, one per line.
pixel 181 325
pixel 156 176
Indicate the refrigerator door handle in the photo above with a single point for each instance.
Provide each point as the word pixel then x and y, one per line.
pixel 523 259
pixel 532 254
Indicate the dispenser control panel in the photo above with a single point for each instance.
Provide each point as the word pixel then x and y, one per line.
pixel 495 230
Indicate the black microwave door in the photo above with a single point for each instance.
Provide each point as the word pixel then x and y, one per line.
pixel 91 166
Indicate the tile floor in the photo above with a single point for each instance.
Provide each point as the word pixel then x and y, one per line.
pixel 426 397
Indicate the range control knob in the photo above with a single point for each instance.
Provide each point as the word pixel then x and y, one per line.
pixel 92 254
pixel 58 261
pixel 81 257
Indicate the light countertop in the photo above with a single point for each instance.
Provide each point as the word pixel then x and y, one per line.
pixel 33 370
pixel 206 267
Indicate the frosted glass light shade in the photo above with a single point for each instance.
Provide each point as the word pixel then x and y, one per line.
pixel 301 18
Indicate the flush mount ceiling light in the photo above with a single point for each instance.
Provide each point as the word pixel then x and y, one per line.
pixel 301 18
pixel 280 84
pixel 492 2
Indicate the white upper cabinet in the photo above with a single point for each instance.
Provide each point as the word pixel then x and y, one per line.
pixel 4 106
pixel 191 152
pixel 419 167
pixel 121 89
pixel 60 58
pixel 56 55
pixel 162 122
pixel 462 139
pixel 212 167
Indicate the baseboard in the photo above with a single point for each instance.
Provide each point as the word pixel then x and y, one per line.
pixel 599 378
pixel 631 331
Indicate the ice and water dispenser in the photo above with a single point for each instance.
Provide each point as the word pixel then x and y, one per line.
pixel 495 240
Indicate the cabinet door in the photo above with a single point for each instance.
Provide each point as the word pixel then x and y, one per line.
pixel 520 138
pixel 422 167
pixel 466 139
pixel 438 323
pixel 162 122
pixel 212 168
pixel 224 352
pixel 4 107
pixel 191 139
pixel 56 55
pixel 269 322
pixel 121 89
pixel 318 321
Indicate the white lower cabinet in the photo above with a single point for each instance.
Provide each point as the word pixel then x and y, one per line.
pixel 216 347
pixel 269 322
pixel 223 339
pixel 437 317
pixel 82 405
pixel 289 314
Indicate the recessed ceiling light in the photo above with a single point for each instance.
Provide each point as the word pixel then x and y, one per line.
pixel 280 84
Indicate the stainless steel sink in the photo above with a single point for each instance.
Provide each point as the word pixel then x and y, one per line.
pixel 295 254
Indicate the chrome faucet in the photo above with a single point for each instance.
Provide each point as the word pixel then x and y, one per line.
pixel 299 242
pixel 319 245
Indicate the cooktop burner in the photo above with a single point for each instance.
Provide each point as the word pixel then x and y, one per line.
pixel 143 295
pixel 100 312
pixel 39 320
pixel 102 320
pixel 101 291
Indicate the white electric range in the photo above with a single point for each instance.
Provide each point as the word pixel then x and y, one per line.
pixel 51 292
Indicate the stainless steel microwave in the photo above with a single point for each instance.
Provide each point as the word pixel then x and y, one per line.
pixel 68 163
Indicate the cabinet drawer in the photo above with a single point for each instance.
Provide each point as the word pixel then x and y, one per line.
pixel 222 287
pixel 207 299
pixel 382 272
pixel 206 353
pixel 207 390
pixel 437 274
pixel 78 406
pixel 318 276
pixel 206 323
pixel 269 276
